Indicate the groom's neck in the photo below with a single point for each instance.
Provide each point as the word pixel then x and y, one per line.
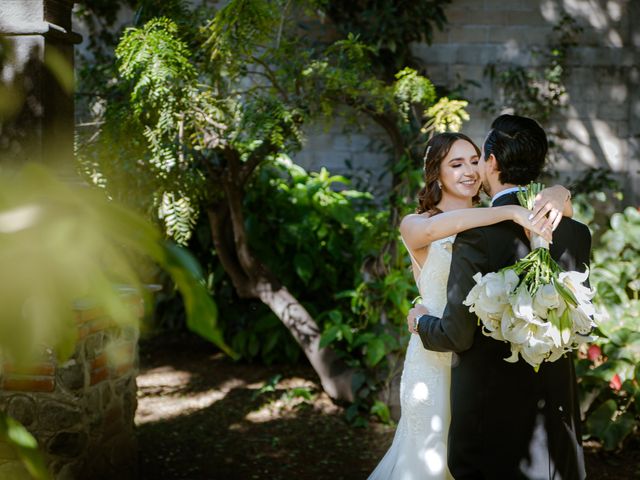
pixel 496 189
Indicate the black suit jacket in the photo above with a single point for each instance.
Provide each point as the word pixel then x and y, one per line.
pixel 508 422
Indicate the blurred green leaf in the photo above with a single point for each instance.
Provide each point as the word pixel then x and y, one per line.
pixel 609 426
pixel 25 445
pixel 381 410
pixel 375 351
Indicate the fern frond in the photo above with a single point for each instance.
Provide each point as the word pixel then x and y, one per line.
pixel 179 216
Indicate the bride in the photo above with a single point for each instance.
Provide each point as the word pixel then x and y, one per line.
pixel 451 187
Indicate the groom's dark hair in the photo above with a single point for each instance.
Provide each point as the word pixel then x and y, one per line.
pixel 520 147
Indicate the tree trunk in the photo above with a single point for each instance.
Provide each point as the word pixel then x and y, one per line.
pixel 334 374
pixel 252 279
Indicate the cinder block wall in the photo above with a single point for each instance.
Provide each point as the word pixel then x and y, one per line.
pixel 602 119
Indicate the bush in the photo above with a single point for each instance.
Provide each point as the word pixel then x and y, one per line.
pixel 609 371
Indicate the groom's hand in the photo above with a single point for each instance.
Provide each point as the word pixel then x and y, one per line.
pixel 416 312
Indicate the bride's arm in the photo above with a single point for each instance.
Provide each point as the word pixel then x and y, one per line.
pixel 419 230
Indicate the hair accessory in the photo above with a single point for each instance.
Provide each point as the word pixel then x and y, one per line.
pixel 426 154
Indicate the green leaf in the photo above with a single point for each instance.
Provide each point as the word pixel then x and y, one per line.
pixel 357 381
pixel 301 392
pixel 329 335
pixel 609 426
pixel 202 312
pixel 375 351
pixel 254 345
pixel 25 445
pixel 335 316
pixel 304 266
pixel 269 344
pixel 347 334
pixel 381 410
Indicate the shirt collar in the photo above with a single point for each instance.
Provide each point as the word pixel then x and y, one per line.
pixel 504 192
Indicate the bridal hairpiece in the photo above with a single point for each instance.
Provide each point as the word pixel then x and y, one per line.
pixel 426 154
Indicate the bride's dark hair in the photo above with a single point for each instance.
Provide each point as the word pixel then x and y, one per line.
pixel 437 149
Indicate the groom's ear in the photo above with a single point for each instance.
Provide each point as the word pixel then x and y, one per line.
pixel 492 163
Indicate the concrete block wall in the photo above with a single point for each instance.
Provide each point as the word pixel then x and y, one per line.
pixel 347 149
pixel 601 124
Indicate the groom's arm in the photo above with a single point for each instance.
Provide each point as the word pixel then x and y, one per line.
pixel 454 332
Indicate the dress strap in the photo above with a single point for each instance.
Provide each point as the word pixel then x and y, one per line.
pixel 413 259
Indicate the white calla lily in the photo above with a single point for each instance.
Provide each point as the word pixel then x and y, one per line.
pixel 523 304
pixel 539 327
pixel 515 330
pixel 545 299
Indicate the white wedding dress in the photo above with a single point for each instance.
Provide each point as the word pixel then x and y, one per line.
pixel 419 448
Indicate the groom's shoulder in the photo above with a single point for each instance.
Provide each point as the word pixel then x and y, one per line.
pixel 574 226
pixel 573 229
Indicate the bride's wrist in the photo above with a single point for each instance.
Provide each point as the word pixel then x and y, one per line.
pixel 513 212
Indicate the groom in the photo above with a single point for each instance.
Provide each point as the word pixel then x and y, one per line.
pixel 507 421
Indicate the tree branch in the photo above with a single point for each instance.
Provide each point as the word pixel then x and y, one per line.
pixel 218 220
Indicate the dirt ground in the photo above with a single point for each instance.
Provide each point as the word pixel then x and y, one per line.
pixel 203 417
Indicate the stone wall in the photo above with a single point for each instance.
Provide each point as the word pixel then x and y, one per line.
pixel 80 411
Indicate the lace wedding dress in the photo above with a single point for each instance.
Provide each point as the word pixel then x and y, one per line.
pixel 419 448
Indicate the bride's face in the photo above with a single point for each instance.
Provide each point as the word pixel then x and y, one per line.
pixel 459 170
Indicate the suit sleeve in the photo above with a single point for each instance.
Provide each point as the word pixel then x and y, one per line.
pixel 454 332
pixel 583 256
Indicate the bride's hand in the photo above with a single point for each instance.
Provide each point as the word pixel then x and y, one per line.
pixel 521 217
pixel 550 203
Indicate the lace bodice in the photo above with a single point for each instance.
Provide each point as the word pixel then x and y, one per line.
pixel 432 280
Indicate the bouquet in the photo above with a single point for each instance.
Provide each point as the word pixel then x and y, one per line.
pixel 539 309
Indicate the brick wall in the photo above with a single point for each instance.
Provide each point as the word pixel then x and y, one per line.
pixel 80 411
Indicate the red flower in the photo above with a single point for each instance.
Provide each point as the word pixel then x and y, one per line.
pixel 594 353
pixel 615 383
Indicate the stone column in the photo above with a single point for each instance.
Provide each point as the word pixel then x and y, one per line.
pixel 80 411
pixel 37 77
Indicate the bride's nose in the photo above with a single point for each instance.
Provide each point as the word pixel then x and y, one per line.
pixel 470 171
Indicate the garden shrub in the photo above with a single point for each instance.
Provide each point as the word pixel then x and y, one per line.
pixel 609 371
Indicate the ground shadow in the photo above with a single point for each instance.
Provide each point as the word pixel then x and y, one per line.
pixel 245 435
